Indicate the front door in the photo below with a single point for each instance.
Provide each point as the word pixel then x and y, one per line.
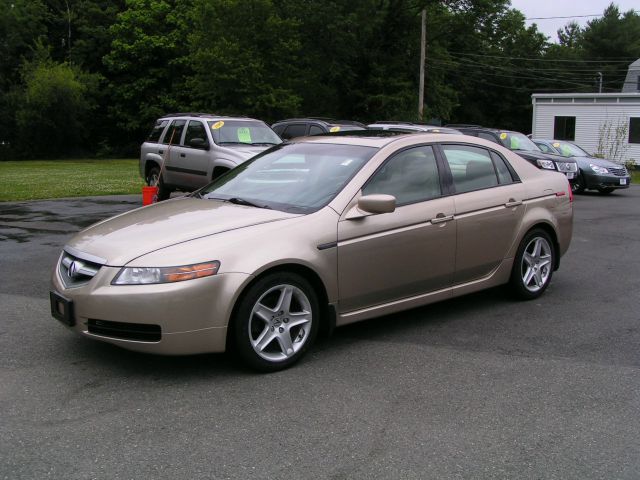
pixel 411 251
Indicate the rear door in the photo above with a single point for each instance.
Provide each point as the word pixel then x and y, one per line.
pixel 488 208
pixel 194 161
pixel 170 150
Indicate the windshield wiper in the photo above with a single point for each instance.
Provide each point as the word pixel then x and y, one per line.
pixel 242 201
pixel 263 143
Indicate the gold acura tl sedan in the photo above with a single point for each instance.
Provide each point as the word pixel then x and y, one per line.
pixel 308 235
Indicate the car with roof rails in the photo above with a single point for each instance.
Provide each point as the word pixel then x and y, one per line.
pixel 594 173
pixel 185 151
pixel 411 127
pixel 523 146
pixel 303 127
pixel 312 234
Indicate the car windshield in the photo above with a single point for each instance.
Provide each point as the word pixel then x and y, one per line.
pixel 297 177
pixel 517 141
pixel 242 132
pixel 569 149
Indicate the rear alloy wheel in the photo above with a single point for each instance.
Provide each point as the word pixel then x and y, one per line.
pixel 154 178
pixel 606 190
pixel 276 322
pixel 533 265
pixel 578 184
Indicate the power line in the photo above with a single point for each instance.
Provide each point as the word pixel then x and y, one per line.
pixel 569 16
pixel 608 61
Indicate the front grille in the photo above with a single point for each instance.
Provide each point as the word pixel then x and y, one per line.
pixel 567 167
pixel 125 331
pixel 618 171
pixel 76 271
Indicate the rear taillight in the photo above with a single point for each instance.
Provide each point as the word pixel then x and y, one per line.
pixel 570 193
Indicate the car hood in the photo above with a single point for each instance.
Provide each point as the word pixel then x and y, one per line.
pixel 240 153
pixel 601 162
pixel 125 237
pixel 533 155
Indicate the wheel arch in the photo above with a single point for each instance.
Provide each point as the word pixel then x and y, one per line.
pixel 327 312
pixel 551 231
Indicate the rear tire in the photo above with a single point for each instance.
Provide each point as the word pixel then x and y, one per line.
pixel 533 265
pixel 276 322
pixel 154 178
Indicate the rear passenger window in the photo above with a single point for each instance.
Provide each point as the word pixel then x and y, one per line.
pixel 154 136
pixel 487 136
pixel 174 132
pixel 504 174
pixel 410 176
pixel 471 167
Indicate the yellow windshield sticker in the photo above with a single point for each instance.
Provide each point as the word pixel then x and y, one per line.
pixel 556 145
pixel 503 136
pixel 217 125
pixel 334 129
pixel 244 135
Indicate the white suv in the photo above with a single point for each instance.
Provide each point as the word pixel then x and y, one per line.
pixel 185 151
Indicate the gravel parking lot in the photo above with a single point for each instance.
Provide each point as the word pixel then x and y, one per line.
pixel 477 387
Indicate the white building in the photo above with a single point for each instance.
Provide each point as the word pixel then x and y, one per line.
pixel 590 119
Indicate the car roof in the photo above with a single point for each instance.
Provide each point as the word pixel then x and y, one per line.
pixel 378 138
pixel 324 120
pixel 205 116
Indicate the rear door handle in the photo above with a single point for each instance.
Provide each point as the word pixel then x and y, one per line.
pixel 441 218
pixel 513 203
pixel 183 155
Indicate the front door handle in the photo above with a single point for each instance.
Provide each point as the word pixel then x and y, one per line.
pixel 441 218
pixel 183 155
pixel 160 152
pixel 513 203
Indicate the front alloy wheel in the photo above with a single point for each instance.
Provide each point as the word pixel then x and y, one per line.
pixel 533 265
pixel 277 322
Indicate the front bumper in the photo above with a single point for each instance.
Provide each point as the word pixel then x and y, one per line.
pixel 171 319
pixel 597 180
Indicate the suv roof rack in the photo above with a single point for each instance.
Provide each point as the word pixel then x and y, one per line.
pixel 463 125
pixel 392 122
pixel 199 114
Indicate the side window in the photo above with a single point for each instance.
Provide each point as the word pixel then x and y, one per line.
pixel 504 174
pixel 278 129
pixel 295 130
pixel 174 132
pixel 543 147
pixel 154 136
pixel 471 167
pixel 410 176
pixel 315 130
pixel 195 129
pixel 487 136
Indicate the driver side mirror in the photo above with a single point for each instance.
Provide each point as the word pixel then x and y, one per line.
pixel 200 143
pixel 373 205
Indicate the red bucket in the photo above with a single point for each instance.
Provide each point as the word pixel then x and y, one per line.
pixel 149 195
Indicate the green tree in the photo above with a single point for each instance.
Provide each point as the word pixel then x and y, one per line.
pixel 53 109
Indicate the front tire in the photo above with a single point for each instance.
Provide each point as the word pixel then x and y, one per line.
pixel 606 190
pixel 578 184
pixel 533 265
pixel 276 322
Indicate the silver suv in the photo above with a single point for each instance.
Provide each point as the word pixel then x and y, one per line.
pixel 185 151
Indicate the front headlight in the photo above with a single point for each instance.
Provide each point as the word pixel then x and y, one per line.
pixel 546 164
pixel 598 169
pixel 151 275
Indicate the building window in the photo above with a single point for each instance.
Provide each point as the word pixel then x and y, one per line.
pixel 634 130
pixel 564 128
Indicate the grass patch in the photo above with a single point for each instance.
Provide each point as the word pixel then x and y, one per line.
pixel 635 176
pixel 40 179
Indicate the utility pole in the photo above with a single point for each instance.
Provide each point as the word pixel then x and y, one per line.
pixel 599 82
pixel 423 41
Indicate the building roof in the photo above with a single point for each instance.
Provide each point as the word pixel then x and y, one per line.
pixel 632 81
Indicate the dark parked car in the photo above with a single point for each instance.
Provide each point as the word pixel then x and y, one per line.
pixel 593 172
pixel 408 127
pixel 302 127
pixel 524 147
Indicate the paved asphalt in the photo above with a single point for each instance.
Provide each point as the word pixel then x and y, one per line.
pixel 478 387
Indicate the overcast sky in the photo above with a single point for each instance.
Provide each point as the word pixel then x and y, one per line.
pixel 566 8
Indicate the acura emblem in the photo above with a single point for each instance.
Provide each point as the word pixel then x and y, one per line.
pixel 73 269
